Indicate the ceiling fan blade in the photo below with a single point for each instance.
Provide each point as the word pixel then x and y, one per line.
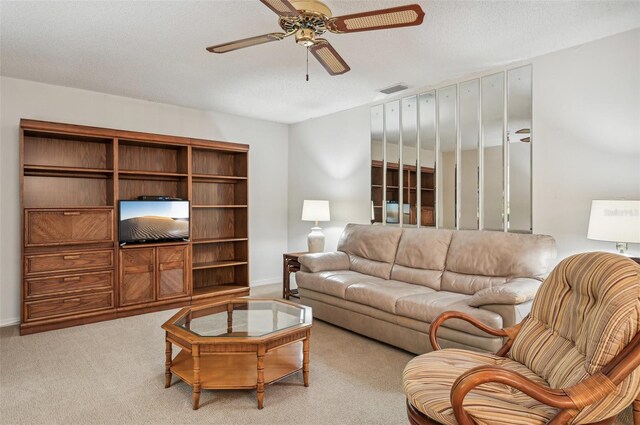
pixel 281 7
pixel 394 17
pixel 328 57
pixel 246 42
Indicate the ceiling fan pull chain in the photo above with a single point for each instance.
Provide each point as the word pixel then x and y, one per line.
pixel 307 63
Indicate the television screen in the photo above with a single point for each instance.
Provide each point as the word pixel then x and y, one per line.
pixel 146 221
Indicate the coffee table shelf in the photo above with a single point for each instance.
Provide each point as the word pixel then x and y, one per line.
pixel 239 371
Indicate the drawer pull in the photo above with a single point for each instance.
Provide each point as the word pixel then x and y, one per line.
pixel 71 213
pixel 71 300
pixel 71 279
pixel 71 257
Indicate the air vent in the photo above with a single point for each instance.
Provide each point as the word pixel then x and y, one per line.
pixel 395 88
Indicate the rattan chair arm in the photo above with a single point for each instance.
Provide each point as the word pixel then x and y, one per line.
pixel 433 330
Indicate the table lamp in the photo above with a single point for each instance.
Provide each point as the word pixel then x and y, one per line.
pixel 315 211
pixel 615 221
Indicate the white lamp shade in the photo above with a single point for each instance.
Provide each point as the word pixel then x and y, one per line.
pixel 315 211
pixel 615 221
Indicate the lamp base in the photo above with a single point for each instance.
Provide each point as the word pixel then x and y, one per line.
pixel 315 240
pixel 622 247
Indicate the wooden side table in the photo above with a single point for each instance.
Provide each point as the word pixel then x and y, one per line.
pixel 290 265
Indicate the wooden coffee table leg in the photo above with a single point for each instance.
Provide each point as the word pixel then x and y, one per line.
pixel 261 353
pixel 305 360
pixel 196 376
pixel 167 365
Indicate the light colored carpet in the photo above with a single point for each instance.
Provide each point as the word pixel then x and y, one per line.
pixel 113 373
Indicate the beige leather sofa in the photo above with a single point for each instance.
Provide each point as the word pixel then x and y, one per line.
pixel 389 283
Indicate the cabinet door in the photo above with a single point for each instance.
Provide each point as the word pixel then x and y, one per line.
pixel 137 276
pixel 173 279
pixel 68 227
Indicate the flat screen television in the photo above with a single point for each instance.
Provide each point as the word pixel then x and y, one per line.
pixel 153 221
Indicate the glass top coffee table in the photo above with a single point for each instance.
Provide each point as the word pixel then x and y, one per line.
pixel 240 343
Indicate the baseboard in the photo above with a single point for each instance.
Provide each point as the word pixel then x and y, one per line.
pixel 268 281
pixel 9 322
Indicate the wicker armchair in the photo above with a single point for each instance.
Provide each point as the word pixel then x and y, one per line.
pixel 573 360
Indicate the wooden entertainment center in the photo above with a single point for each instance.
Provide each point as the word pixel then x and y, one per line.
pixel 75 272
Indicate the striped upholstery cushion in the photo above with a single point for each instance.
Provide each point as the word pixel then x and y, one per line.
pixel 585 312
pixel 428 380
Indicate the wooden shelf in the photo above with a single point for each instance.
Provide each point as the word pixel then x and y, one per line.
pixel 218 240
pixel 55 171
pixel 230 179
pixel 218 206
pixel 145 174
pixel 211 291
pixel 217 264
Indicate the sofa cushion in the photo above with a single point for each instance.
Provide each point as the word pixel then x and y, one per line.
pixel 421 256
pixel 515 291
pixel 481 259
pixel 330 282
pixel 371 249
pixel 428 380
pixel 426 307
pixel 383 294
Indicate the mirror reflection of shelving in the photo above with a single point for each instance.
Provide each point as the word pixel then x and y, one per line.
pixel 456 157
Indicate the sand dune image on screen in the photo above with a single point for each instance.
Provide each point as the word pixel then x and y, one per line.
pixel 153 227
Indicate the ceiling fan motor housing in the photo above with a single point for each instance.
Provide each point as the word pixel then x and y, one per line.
pixel 309 24
pixel 305 37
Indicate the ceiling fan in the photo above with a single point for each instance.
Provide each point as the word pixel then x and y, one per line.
pixel 308 19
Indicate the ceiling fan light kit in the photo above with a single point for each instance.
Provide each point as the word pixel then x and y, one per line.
pixel 309 19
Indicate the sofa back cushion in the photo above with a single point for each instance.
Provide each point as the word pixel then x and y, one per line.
pixel 371 249
pixel 421 256
pixel 480 259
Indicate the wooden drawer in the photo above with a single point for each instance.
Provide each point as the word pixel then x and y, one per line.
pixel 58 285
pixel 68 227
pixel 68 261
pixel 68 305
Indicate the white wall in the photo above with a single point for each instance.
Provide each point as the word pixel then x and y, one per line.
pixel 267 160
pixel 586 145
pixel 586 124
pixel 329 159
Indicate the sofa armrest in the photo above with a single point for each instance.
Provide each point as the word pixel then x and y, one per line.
pixel 324 261
pixel 515 291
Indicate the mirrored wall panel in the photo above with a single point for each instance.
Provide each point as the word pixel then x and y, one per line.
pixel 519 149
pixel 447 157
pixel 409 130
pixel 427 158
pixel 377 163
pixel 456 157
pixel 492 151
pixel 469 154
pixel 393 177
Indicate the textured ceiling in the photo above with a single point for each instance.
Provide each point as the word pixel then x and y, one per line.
pixel 156 50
